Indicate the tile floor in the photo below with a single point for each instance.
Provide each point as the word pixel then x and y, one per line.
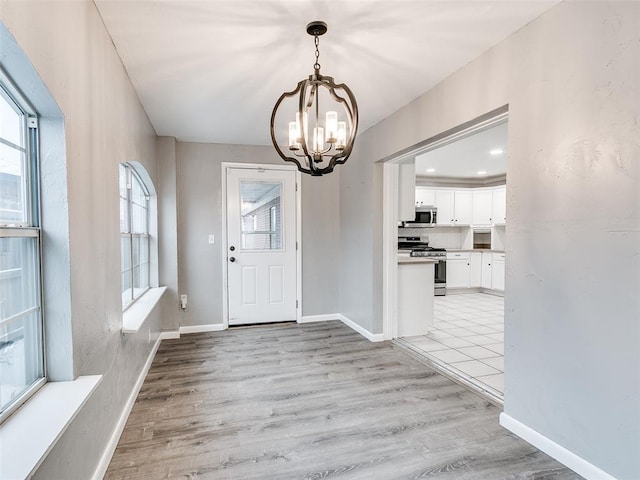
pixel 467 339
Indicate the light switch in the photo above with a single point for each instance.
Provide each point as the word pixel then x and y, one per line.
pixel 212 239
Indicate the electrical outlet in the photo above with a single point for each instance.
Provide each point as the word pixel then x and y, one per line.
pixel 183 301
pixel 212 239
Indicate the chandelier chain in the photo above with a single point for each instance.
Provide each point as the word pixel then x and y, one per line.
pixel 316 65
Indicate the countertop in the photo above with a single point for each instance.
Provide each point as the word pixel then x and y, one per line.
pixel 404 259
pixel 474 250
pixel 404 251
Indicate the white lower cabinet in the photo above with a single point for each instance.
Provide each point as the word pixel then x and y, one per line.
pixel 497 272
pixel 475 270
pixel 458 269
pixel 486 276
pixel 475 275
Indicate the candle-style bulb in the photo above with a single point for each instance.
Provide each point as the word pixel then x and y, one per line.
pixel 341 135
pixel 331 126
pixel 318 139
pixel 294 136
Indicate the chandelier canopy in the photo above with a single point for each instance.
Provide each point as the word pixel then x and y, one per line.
pixel 322 108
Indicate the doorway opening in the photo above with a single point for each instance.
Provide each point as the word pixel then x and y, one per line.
pixel 458 180
pixel 261 244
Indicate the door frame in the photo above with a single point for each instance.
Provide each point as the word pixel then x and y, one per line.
pixel 390 191
pixel 224 245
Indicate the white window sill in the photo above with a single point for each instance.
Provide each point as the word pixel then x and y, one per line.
pixel 29 435
pixel 134 316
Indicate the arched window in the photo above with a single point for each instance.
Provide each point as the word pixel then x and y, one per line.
pixel 134 235
pixel 21 339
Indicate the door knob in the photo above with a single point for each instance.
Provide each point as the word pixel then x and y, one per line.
pixel 232 259
pixel 232 248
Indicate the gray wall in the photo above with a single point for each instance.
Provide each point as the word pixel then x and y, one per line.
pixel 167 186
pixel 572 323
pixel 572 332
pixel 571 314
pixel 104 125
pixel 200 214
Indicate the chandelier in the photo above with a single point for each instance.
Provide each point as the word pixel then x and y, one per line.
pixel 320 108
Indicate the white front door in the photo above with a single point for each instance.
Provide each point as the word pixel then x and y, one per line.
pixel 261 245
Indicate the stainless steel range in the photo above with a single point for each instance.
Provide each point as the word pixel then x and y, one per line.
pixel 419 248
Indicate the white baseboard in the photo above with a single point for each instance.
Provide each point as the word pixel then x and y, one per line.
pixel 551 448
pixel 101 469
pixel 373 337
pixel 213 327
pixel 169 335
pixel 320 318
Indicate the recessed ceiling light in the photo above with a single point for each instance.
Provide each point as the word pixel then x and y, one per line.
pixel 482 172
pixel 431 170
pixel 496 151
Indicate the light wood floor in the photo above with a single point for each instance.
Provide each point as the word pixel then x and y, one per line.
pixel 312 401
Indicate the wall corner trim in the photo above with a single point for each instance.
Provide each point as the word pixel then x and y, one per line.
pixel 169 335
pixel 373 337
pixel 551 448
pixel 320 318
pixel 101 469
pixel 213 327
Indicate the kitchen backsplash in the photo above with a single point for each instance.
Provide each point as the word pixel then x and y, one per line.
pixel 439 237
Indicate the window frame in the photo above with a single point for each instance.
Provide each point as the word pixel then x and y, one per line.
pixel 30 227
pixel 132 175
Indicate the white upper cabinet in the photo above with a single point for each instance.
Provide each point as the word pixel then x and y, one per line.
pixel 482 207
pixel 454 207
pixel 444 203
pixel 425 197
pixel 465 207
pixel 407 192
pixel 499 207
pixel 462 207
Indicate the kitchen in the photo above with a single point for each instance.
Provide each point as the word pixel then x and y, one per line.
pixel 452 212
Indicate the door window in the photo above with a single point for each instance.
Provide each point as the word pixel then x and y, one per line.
pixel 261 214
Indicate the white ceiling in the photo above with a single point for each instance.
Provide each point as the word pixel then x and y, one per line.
pixel 468 157
pixel 211 71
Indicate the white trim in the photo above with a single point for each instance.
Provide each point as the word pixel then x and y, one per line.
pixel 31 432
pixel 225 290
pixel 551 448
pixel 213 327
pixel 134 316
pixel 223 245
pixel 390 214
pixel 101 469
pixel 169 335
pixel 320 318
pixel 373 337
pixel 299 245
pixel 389 253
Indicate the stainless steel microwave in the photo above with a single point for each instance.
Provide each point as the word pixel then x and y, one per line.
pixel 426 216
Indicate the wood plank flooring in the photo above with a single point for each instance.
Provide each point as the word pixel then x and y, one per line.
pixel 312 401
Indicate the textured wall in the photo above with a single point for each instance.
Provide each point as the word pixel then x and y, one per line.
pixel 200 214
pixel 104 125
pixel 573 272
pixel 571 325
pixel 167 186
